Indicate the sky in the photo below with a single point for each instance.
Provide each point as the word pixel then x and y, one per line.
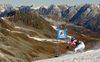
pixel 47 2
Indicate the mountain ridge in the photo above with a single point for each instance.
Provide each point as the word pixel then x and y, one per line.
pixel 85 15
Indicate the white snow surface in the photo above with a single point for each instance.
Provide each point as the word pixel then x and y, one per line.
pixel 88 56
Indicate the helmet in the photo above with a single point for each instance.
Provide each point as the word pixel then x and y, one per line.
pixel 72 39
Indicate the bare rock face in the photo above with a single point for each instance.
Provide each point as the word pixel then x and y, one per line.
pixel 85 15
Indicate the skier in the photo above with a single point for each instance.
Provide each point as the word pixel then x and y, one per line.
pixel 79 44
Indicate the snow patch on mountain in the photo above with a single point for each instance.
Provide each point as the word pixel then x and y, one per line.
pixel 13 31
pixel 44 40
pixel 97 6
pixel 55 27
pixel 2 18
pixel 2 10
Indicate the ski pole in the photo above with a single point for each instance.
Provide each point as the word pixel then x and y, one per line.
pixel 67 37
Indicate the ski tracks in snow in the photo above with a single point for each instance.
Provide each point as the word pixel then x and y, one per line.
pixel 88 56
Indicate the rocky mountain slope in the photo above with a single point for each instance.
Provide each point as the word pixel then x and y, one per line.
pixel 33 21
pixel 16 46
pixel 54 20
pixel 85 15
pixel 18 29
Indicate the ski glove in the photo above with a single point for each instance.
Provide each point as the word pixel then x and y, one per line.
pixel 67 47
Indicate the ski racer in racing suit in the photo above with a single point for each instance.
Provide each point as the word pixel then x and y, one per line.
pixel 79 44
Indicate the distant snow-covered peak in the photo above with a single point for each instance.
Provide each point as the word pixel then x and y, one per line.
pixel 31 7
pixel 95 5
pixel 34 7
pixel 63 7
pixel 45 7
pixel 54 6
pixel 4 7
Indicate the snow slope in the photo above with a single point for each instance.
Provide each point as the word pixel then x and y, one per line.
pixel 88 56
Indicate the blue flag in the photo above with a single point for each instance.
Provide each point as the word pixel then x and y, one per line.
pixel 61 34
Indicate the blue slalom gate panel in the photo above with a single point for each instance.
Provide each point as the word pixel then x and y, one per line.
pixel 61 34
